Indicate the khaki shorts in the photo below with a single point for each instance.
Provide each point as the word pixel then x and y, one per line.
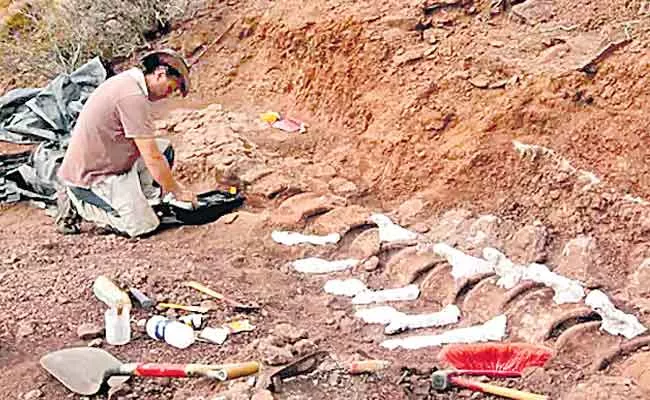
pixel 130 195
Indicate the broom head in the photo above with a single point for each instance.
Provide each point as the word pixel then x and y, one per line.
pixel 507 357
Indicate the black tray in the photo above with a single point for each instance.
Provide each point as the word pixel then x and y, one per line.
pixel 211 206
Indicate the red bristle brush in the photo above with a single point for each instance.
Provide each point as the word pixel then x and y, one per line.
pixel 496 360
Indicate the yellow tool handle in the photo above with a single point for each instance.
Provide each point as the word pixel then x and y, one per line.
pixel 196 309
pixel 240 370
pixel 498 390
pixel 204 289
pixel 222 372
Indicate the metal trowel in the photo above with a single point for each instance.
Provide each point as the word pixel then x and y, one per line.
pixel 87 370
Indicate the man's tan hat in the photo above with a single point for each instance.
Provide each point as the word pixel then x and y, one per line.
pixel 175 60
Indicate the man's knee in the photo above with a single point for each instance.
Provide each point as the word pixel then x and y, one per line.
pixel 134 218
pixel 140 220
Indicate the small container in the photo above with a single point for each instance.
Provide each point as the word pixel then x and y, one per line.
pixel 172 332
pixel 118 327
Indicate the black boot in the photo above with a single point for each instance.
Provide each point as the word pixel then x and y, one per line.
pixel 67 219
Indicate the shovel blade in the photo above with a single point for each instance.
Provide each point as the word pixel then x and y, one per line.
pixel 81 369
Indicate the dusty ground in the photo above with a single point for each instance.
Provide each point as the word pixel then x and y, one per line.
pixel 420 128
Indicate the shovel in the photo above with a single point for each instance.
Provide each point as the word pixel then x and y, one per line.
pixel 87 370
pixel 305 365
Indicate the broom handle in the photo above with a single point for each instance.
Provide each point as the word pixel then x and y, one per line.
pixel 497 390
pixel 492 373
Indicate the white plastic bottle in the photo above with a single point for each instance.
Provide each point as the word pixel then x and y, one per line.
pixel 117 324
pixel 173 332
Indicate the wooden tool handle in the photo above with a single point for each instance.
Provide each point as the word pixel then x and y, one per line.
pixel 497 390
pixel 234 371
pixel 204 289
pixel 491 373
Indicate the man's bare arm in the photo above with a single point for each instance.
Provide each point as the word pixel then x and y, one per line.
pixel 159 169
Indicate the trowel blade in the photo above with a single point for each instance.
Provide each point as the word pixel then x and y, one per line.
pixel 82 369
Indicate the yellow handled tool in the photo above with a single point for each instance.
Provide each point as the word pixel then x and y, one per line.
pixel 233 303
pixel 443 379
pixel 195 309
pixel 496 390
pixel 494 360
pixel 240 370
pixel 204 289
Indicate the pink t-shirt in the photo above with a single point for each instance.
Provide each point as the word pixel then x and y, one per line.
pixel 102 140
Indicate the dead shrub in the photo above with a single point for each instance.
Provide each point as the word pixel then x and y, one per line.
pixel 47 37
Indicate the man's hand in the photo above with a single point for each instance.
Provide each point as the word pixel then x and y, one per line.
pixel 159 169
pixel 182 194
pixel 157 165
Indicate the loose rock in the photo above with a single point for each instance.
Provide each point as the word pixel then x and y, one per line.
pixel 579 259
pixel 271 185
pixel 365 245
pixel 90 331
pixel 480 81
pixel 408 211
pixel 302 206
pixel 451 227
pixel 410 56
pixel 33 394
pixel 343 187
pixel 274 355
pixel 406 265
pixel 238 391
pixel 334 378
pixel 25 329
pixel 528 245
pixel 304 347
pixel 420 227
pixel 637 367
pixel 483 232
pixel 263 395
pixel 371 264
pixel 340 220
pixel 118 391
pixel 255 174
pixel 289 333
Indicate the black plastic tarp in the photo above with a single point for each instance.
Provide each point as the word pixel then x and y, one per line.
pixel 45 117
